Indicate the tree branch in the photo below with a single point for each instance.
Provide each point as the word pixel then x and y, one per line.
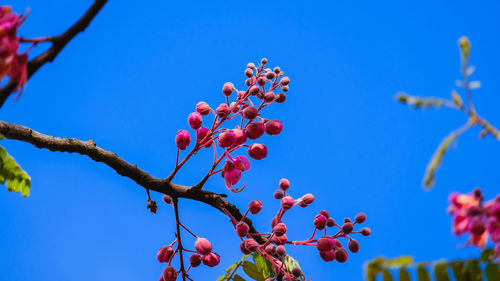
pixel 58 43
pixel 123 168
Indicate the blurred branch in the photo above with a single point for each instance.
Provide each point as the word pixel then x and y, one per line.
pixel 58 44
pixel 123 168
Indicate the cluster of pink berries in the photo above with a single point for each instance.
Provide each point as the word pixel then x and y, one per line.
pixel 274 249
pixel 263 85
pixel 480 219
pixel 12 64
pixel 202 254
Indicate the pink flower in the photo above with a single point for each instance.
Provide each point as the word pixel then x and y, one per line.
pixel 232 170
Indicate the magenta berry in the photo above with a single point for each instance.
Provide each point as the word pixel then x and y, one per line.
pixel 279 229
pixel 280 98
pixel 165 253
pixel 182 139
pixel 255 206
pixel 248 72
pixel 167 199
pixel 360 218
pixel 169 273
pixel 319 222
pixel 255 130
pixel 285 81
pixel 347 220
pixel 250 112
pixel 195 120
pixel 365 231
pixel 203 108
pixel 243 248
pixel 269 97
pixel 279 240
pixel 222 110
pixel 341 255
pixel 347 227
pixel 325 243
pixel 353 246
pixel 330 222
pixel 325 213
pixel 278 194
pixel 226 139
pixel 257 151
pixel 280 250
pixel 296 272
pixel 211 259
pixel 274 127
pixel 201 133
pixel 227 89
pixel 195 260
pixel 327 255
pixel 284 88
pixel 270 249
pixel 287 202
pixel 261 81
pixel 307 199
pixel 203 246
pixel 478 227
pixel 241 137
pixel 242 229
pixel 254 90
pixel 284 184
pixel 251 245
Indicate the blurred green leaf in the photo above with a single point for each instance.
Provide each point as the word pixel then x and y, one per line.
pixel 238 278
pixel 12 175
pixel 474 271
pixel 404 275
pixel 459 270
pixel 436 159
pixel 441 271
pixel 386 275
pixel 399 261
pixel 488 255
pixel 422 273
pixel 492 271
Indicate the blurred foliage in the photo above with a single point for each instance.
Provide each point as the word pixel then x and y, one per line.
pixel 12 175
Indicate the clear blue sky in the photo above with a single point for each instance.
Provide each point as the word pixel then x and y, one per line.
pixel 132 78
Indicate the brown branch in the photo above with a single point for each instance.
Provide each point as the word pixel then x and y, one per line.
pixel 58 44
pixel 122 167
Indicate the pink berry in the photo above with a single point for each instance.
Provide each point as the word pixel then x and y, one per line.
pixel 195 120
pixel 211 259
pixel 241 137
pixel 261 81
pixel 243 248
pixel 353 246
pixel 222 110
pixel 360 218
pixel 341 255
pixel 201 133
pixel 325 213
pixel 257 151
pixel 279 229
pixel 227 89
pixel 169 273
pixel 167 199
pixel 254 90
pixel 278 194
pixel 226 139
pixel 285 81
pixel 296 272
pixel 203 108
pixel 327 255
pixel 274 127
pixel 165 253
pixel 195 260
pixel 203 246
pixel 284 88
pixel 248 72
pixel 250 112
pixel 347 227
pixel 251 245
pixel 284 184
pixel 365 231
pixel 287 202
pixel 182 139
pixel 279 240
pixel 269 97
pixel 270 249
pixel 242 229
pixel 330 222
pixel 280 98
pixel 255 206
pixel 307 199
pixel 325 243
pixel 280 250
pixel 255 130
pixel 319 222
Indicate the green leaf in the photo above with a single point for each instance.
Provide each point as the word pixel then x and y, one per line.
pixel 474 271
pixel 252 271
pixel 441 271
pixel 263 265
pixel 436 160
pixel 386 275
pixel 422 273
pixel 290 263
pixel 404 275
pixel 459 270
pixel 223 277
pixel 492 271
pixel 12 175
pixel 399 261
pixel 238 278
pixel 488 255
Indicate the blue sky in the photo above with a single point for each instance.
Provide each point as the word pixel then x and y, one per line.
pixel 131 79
